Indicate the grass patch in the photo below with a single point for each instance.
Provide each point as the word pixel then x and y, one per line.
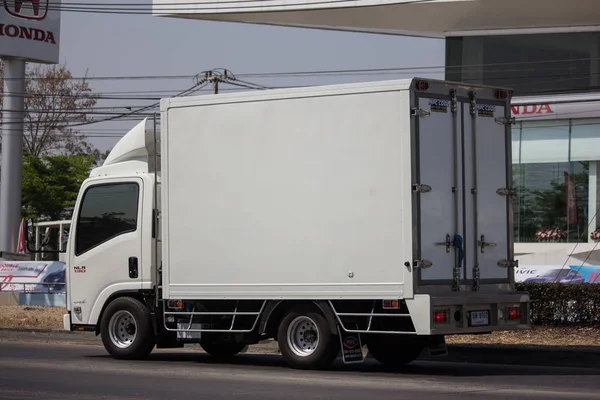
pixel 538 336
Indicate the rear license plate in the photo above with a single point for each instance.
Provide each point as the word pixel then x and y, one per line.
pixel 479 318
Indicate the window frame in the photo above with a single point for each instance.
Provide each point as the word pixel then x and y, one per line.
pixel 76 251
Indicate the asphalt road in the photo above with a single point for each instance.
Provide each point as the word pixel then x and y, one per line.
pixel 49 371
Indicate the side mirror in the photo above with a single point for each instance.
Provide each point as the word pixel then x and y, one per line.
pixel 29 233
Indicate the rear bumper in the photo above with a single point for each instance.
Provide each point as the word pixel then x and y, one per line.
pixel 419 315
pixel 500 310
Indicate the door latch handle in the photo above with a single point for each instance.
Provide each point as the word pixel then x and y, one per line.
pixel 133 267
pixel 448 243
pixel 423 264
pixel 484 244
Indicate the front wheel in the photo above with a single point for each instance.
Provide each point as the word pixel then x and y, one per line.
pixel 306 341
pixel 126 329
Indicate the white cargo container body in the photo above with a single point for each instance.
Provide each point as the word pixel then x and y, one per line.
pixel 326 218
pixel 297 194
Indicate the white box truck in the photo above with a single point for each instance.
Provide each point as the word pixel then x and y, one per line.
pixel 326 218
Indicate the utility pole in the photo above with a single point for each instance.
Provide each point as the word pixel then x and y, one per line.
pixel 12 152
pixel 215 78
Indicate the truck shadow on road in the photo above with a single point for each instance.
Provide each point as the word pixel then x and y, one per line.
pixel 417 368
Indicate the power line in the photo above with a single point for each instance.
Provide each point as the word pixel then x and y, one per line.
pixel 341 72
pixel 524 119
pixel 109 111
pixel 241 84
pixel 123 95
pixel 412 70
pixel 74 112
pixel 200 82
pixel 101 96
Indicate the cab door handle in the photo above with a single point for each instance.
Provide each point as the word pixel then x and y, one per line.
pixel 133 267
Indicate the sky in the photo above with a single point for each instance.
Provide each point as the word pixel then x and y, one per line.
pixel 106 45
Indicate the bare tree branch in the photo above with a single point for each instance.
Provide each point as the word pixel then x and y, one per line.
pixel 53 101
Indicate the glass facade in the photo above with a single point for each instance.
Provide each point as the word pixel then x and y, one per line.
pixel 530 64
pixel 555 174
pixel 554 160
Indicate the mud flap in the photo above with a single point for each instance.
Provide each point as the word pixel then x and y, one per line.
pixel 438 347
pixel 351 346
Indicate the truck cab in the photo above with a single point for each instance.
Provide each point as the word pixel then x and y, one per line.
pixel 111 237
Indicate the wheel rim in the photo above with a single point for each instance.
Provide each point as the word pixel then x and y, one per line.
pixel 122 328
pixel 303 336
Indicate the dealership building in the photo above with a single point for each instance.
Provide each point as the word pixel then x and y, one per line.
pixel 549 53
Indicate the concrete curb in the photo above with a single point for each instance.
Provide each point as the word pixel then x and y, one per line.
pixel 34 335
pixel 523 355
pixel 56 331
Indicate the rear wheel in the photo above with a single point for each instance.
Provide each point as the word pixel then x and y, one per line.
pixel 126 329
pixel 305 339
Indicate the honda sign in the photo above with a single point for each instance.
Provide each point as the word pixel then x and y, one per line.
pixel 30 29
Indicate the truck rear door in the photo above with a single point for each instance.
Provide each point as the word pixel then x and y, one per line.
pixel 462 171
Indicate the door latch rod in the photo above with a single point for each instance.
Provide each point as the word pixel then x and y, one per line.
pixel 482 243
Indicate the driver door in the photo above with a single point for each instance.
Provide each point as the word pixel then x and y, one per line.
pixel 106 247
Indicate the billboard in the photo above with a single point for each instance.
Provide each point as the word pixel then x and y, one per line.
pixel 32 276
pixel 30 30
pixel 558 273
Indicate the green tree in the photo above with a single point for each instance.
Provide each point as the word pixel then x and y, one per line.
pixel 51 185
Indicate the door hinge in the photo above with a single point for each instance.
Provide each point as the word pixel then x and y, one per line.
pixel 508 263
pixel 506 192
pixel 458 262
pixel 423 264
pixel 505 121
pixel 472 104
pixel 456 279
pixel 484 244
pixel 417 187
pixel 419 112
pixel 453 101
pixel 476 277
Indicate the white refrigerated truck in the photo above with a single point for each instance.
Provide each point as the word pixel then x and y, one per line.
pixel 326 218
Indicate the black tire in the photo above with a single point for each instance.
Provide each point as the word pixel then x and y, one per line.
pixel 126 310
pixel 390 351
pixel 318 357
pixel 222 351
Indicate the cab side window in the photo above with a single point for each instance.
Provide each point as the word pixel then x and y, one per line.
pixel 107 211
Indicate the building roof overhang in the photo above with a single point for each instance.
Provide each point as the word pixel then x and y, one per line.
pixel 426 18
